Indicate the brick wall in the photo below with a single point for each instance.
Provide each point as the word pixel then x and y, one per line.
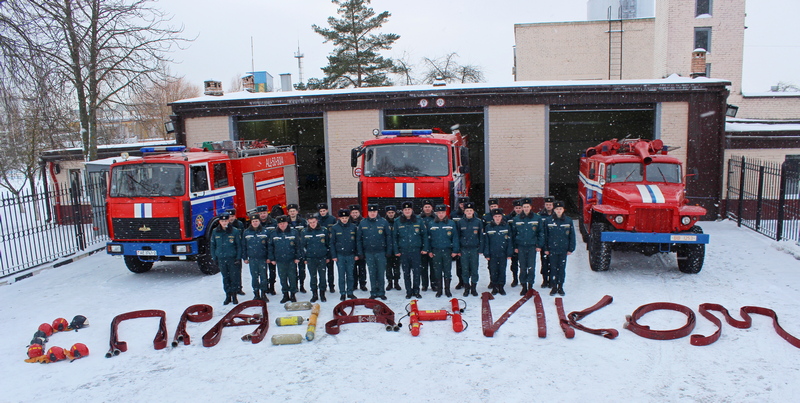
pixel 343 131
pixel 516 150
pixel 674 124
pixel 198 130
pixel 782 107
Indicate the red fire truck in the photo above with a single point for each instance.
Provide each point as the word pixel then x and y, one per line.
pixel 164 205
pixel 411 165
pixel 632 197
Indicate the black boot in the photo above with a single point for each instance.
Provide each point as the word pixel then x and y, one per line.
pixel 264 296
pixel 501 290
pixel 292 297
pixel 514 279
pixel 389 287
pixel 364 287
pixel 408 295
pixel 460 284
pixel 227 299
pixel 424 288
pixel 241 292
pixel 545 283
pixel 285 298
pixel 272 289
pixel 494 289
pixel 561 290
pixel 397 285
pixel 524 290
pixel 553 290
pixel 256 295
pixel 467 289
pixel 351 296
pixel 439 289
pixel 303 288
pixel 314 296
pixel 234 299
pixel 322 296
pixel 447 288
pixel 474 289
pixel 333 289
pixel 343 297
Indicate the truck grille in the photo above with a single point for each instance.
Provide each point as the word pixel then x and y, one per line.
pixel 154 228
pixel 398 201
pixel 653 220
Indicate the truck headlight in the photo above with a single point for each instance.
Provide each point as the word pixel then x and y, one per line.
pixel 619 219
pixel 685 220
pixel 181 249
pixel 113 248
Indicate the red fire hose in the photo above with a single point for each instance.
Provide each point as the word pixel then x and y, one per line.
pixel 196 314
pixel 569 332
pixel 489 327
pixel 575 316
pixel 159 342
pixel 645 331
pixel 381 314
pixel 235 318
pixel 745 311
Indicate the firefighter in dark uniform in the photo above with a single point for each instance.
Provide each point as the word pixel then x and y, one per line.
pixel 235 223
pixel 470 239
pixel 497 249
pixel 360 270
pixel 326 220
pixel 487 217
pixel 298 223
pixel 559 242
pixel 526 230
pixel 344 253
pixel 374 243
pixel 410 243
pixel 284 251
pixel 426 270
pixel 226 250
pixel 392 261
pixel 315 254
pixel 514 258
pixel 456 216
pixel 547 211
pixel 254 253
pixel 444 246
pixel 269 225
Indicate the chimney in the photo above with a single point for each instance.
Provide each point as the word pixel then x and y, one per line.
pixel 213 87
pixel 248 83
pixel 698 63
pixel 286 82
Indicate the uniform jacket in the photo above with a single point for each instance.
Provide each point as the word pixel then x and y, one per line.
pixel 427 219
pixel 255 241
pixel 328 221
pixel 269 224
pixel 470 233
pixel 226 243
pixel 314 243
pixel 443 235
pixel 374 236
pixel 343 240
pixel 409 235
pixel 526 229
pixel 544 213
pixel 497 242
pixel 298 224
pixel 284 246
pixel 559 235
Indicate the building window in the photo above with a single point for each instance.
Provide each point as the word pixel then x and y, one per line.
pixel 702 7
pixel 220 175
pixel 702 38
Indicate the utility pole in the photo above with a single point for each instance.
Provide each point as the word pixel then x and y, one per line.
pixel 299 56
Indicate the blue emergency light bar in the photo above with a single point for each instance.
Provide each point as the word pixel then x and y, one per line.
pixel 171 149
pixel 407 132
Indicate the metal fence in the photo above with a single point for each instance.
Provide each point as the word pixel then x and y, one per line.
pixel 38 227
pixel 765 196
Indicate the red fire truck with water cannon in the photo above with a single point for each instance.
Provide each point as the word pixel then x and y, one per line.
pixel 632 196
pixel 412 165
pixel 164 205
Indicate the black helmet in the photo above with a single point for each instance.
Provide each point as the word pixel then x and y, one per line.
pixel 79 322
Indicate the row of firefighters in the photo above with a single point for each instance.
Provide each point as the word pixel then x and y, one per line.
pixel 423 245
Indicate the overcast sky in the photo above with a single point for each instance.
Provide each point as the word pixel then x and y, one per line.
pixel 480 31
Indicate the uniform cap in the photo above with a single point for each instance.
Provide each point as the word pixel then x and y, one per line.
pixel 469 204
pixel 311 215
pixel 391 207
pixel 224 216
pixel 494 201
pixel 231 211
pixel 344 212
pixel 558 203
pixel 517 202
pixel 549 199
pixel 354 207
pixel 372 207
pixel 440 207
pixel 254 217
pixel 526 200
pixel 496 211
pixel 407 204
pixel 463 199
pixel 426 202
pixel 262 209
pixel 321 206
pixel 292 206
pixel 282 218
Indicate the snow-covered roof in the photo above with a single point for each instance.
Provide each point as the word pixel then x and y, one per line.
pixel 772 94
pixel 761 125
pixel 244 95
pixel 123 145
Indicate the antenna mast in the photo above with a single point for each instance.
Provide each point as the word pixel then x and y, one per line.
pixel 299 56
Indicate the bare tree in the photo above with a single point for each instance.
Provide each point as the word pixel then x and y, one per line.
pixel 105 48
pixel 405 69
pixel 783 86
pixel 446 68
pixel 151 104
pixel 235 84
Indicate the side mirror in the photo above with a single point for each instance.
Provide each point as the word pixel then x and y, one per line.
pixel 691 177
pixel 592 173
pixel 354 157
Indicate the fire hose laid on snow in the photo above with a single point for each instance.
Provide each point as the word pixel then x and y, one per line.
pixel 745 311
pixel 196 314
pixel 236 318
pixel 381 314
pixel 117 346
pixel 490 327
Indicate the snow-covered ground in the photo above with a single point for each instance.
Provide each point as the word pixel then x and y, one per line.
pixel 367 364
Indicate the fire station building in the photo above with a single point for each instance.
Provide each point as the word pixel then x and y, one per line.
pixel 524 138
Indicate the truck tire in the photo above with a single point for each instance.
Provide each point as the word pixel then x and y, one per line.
pixel 599 252
pixel 137 266
pixel 691 256
pixel 204 260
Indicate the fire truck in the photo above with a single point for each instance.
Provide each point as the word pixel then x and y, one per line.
pixel 411 165
pixel 163 206
pixel 632 197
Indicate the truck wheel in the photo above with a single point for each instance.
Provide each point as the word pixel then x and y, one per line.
pixel 206 264
pixel 691 256
pixel 137 266
pixel 599 252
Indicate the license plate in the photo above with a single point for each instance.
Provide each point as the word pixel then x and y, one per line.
pixel 146 253
pixel 684 238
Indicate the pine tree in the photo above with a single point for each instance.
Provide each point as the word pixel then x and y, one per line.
pixel 355 60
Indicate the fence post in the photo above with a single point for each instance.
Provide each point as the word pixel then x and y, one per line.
pixel 760 197
pixel 741 193
pixel 781 202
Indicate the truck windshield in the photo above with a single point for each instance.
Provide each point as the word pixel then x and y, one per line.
pixel 148 180
pixel 406 160
pixel 636 172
